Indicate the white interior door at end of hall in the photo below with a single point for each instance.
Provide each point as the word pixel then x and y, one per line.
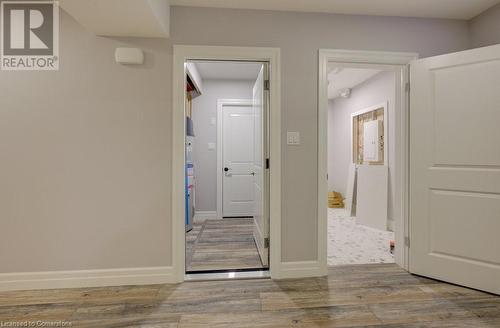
pixel 455 168
pixel 261 210
pixel 238 151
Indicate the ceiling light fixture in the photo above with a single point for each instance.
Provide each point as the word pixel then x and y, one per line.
pixel 345 93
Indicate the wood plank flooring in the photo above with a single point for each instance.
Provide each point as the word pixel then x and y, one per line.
pixel 222 245
pixel 376 295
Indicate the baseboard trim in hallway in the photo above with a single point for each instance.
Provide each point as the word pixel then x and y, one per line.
pixel 86 278
pixel 300 269
pixel 200 216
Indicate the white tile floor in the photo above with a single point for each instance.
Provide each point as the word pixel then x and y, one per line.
pixel 350 243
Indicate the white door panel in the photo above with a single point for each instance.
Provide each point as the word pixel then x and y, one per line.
pixel 464 212
pixel 261 224
pixel 371 207
pixel 241 168
pixel 240 136
pixel 241 189
pixel 237 149
pixel 466 103
pixel 455 168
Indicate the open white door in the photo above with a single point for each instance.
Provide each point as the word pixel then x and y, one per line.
pixel 238 149
pixel 261 218
pixel 455 168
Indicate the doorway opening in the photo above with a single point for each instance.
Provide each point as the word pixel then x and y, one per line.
pixel 437 192
pixel 361 164
pixel 363 142
pixel 227 172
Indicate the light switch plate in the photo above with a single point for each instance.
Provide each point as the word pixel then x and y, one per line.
pixel 293 138
pixel 211 146
pixel 213 121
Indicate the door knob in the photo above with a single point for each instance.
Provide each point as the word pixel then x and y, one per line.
pixel 226 169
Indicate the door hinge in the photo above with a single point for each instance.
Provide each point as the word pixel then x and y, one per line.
pixel 407 86
pixel 407 242
pixel 266 242
pixel 266 85
pixel 267 163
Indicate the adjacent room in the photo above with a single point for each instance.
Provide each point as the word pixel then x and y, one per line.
pixel 360 165
pixel 224 176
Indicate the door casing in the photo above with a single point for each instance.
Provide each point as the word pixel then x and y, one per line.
pixel 367 59
pixel 182 54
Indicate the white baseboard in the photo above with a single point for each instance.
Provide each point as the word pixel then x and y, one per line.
pixel 86 278
pixel 391 225
pixel 301 269
pixel 204 215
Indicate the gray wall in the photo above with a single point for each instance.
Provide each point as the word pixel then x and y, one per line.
pixel 205 160
pixel 85 151
pixel 485 28
pixel 380 88
pixel 300 35
pixel 85 162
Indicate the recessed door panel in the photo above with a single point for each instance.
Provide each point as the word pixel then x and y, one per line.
pixel 458 218
pixel 466 121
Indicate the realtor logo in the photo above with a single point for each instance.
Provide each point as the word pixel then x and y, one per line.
pixel 29 35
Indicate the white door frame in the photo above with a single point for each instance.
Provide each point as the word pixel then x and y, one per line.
pixel 400 61
pixel 182 53
pixel 220 105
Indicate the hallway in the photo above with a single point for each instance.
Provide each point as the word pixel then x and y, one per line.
pixel 221 245
pixel 379 295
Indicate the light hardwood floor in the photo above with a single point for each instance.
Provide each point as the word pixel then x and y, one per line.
pixel 222 245
pixel 380 295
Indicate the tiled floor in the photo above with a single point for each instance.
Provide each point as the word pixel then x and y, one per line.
pixel 350 243
pixel 221 245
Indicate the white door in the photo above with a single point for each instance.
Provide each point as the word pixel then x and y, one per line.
pixel 261 217
pixel 455 168
pixel 238 152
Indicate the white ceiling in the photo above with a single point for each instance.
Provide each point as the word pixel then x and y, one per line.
pixel 148 18
pixel 228 70
pixel 458 9
pixel 343 78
